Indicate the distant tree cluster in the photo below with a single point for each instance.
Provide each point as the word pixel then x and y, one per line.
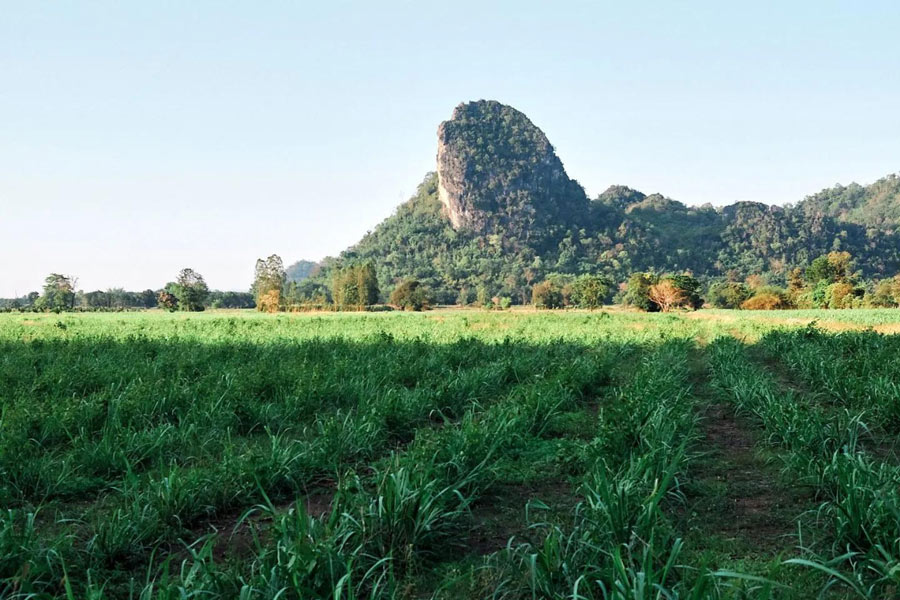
pixel 188 292
pixel 355 286
pixel 623 232
pixel 830 281
pixel 268 284
pixel 410 295
pixel 662 293
pixel 560 291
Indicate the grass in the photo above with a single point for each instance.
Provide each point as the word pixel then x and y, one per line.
pixel 448 454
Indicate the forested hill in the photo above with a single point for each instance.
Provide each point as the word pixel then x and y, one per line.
pixel 501 214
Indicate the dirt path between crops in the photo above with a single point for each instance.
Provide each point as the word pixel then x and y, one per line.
pixel 737 506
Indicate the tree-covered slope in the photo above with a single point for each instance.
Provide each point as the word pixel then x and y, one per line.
pixel 501 214
pixel 875 206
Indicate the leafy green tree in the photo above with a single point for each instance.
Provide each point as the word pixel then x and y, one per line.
pixel 410 295
pixel 689 288
pixel 589 291
pixel 269 282
pixel 834 267
pixel 637 292
pixel 191 290
pixel 355 286
pixel 366 284
pixel 59 293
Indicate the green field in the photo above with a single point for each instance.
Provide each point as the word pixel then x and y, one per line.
pixel 450 454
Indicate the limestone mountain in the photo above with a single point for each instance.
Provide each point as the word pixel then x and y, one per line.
pixel 498 173
pixel 501 214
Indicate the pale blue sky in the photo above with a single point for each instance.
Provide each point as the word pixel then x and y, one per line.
pixel 137 138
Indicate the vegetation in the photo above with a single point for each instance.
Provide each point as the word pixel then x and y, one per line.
pixel 463 454
pixel 410 295
pixel 355 286
pixel 59 293
pixel 268 284
pixel 190 290
pixel 301 270
pixel 522 220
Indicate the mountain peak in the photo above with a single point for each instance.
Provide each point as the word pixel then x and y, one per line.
pixel 498 172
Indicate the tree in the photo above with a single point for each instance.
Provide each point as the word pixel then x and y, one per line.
pixel 147 298
pixel 367 284
pixel 637 292
pixel 690 290
pixel 167 300
pixel 191 290
pixel 840 263
pixel 841 295
pixel 355 286
pixel 269 277
pixel 59 293
pixel 795 281
pixel 666 295
pixel 886 293
pixel 589 291
pixel 547 294
pixel 410 295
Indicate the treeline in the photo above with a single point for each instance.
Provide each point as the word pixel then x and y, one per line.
pixel 626 232
pixel 188 292
pixel 354 287
pixel 831 281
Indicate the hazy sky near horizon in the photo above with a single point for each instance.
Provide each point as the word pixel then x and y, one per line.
pixel 137 138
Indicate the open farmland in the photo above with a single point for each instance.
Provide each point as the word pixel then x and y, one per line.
pixel 450 454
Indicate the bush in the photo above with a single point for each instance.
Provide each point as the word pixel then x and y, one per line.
pixel 589 291
pixel 842 295
pixel 728 294
pixel 269 302
pixel 546 295
pixel 763 301
pixel 409 295
pixel 689 288
pixel 637 292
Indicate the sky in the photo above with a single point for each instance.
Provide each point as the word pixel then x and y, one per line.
pixel 137 138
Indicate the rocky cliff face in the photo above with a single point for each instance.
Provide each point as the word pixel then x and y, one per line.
pixel 498 173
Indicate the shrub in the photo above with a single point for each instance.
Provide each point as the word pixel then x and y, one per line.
pixel 843 295
pixel 728 294
pixel 589 291
pixel 167 301
pixel 269 302
pixel 763 301
pixel 666 295
pixel 637 292
pixel 409 295
pixel 546 295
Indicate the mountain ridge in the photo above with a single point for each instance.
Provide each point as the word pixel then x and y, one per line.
pixel 501 213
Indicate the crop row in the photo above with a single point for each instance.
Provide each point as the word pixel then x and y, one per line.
pixel 858 492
